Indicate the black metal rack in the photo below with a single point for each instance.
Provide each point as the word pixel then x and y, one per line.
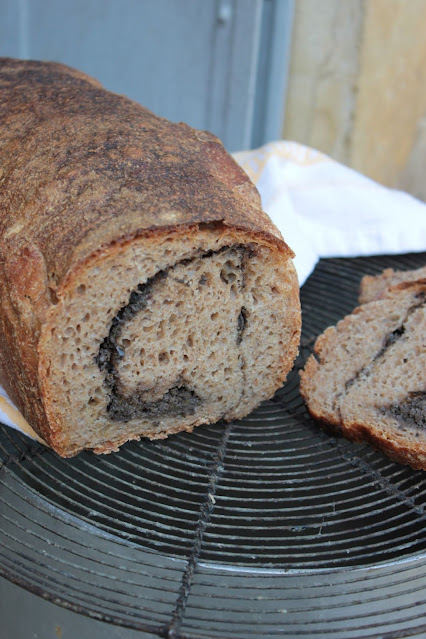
pixel 262 528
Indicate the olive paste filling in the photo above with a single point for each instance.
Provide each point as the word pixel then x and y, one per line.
pixel 179 400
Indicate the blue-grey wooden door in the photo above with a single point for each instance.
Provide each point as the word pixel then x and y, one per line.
pixel 215 64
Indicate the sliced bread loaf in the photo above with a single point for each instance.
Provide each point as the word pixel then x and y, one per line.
pixel 367 378
pixel 143 291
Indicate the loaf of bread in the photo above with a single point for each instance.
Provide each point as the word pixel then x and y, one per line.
pixel 143 290
pixel 367 377
pixel 372 287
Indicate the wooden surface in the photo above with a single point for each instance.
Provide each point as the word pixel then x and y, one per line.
pixel 357 86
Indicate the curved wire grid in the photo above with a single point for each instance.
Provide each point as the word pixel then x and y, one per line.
pixel 266 527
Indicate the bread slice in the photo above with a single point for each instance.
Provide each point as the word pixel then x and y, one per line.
pixel 367 377
pixel 372 287
pixel 143 290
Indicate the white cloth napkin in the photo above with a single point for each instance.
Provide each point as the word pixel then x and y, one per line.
pixel 323 209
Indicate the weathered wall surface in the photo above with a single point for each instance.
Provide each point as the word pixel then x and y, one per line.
pixel 357 86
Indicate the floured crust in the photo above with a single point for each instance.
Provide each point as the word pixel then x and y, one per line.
pixel 113 162
pixel 367 367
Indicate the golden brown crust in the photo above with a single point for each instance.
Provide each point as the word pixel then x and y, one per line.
pixel 83 169
pixel 71 148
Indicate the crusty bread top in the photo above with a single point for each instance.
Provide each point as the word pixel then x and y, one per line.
pixel 71 149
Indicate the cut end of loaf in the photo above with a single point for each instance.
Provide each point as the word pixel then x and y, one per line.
pixel 164 334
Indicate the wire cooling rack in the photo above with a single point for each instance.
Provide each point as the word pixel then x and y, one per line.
pixel 262 528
